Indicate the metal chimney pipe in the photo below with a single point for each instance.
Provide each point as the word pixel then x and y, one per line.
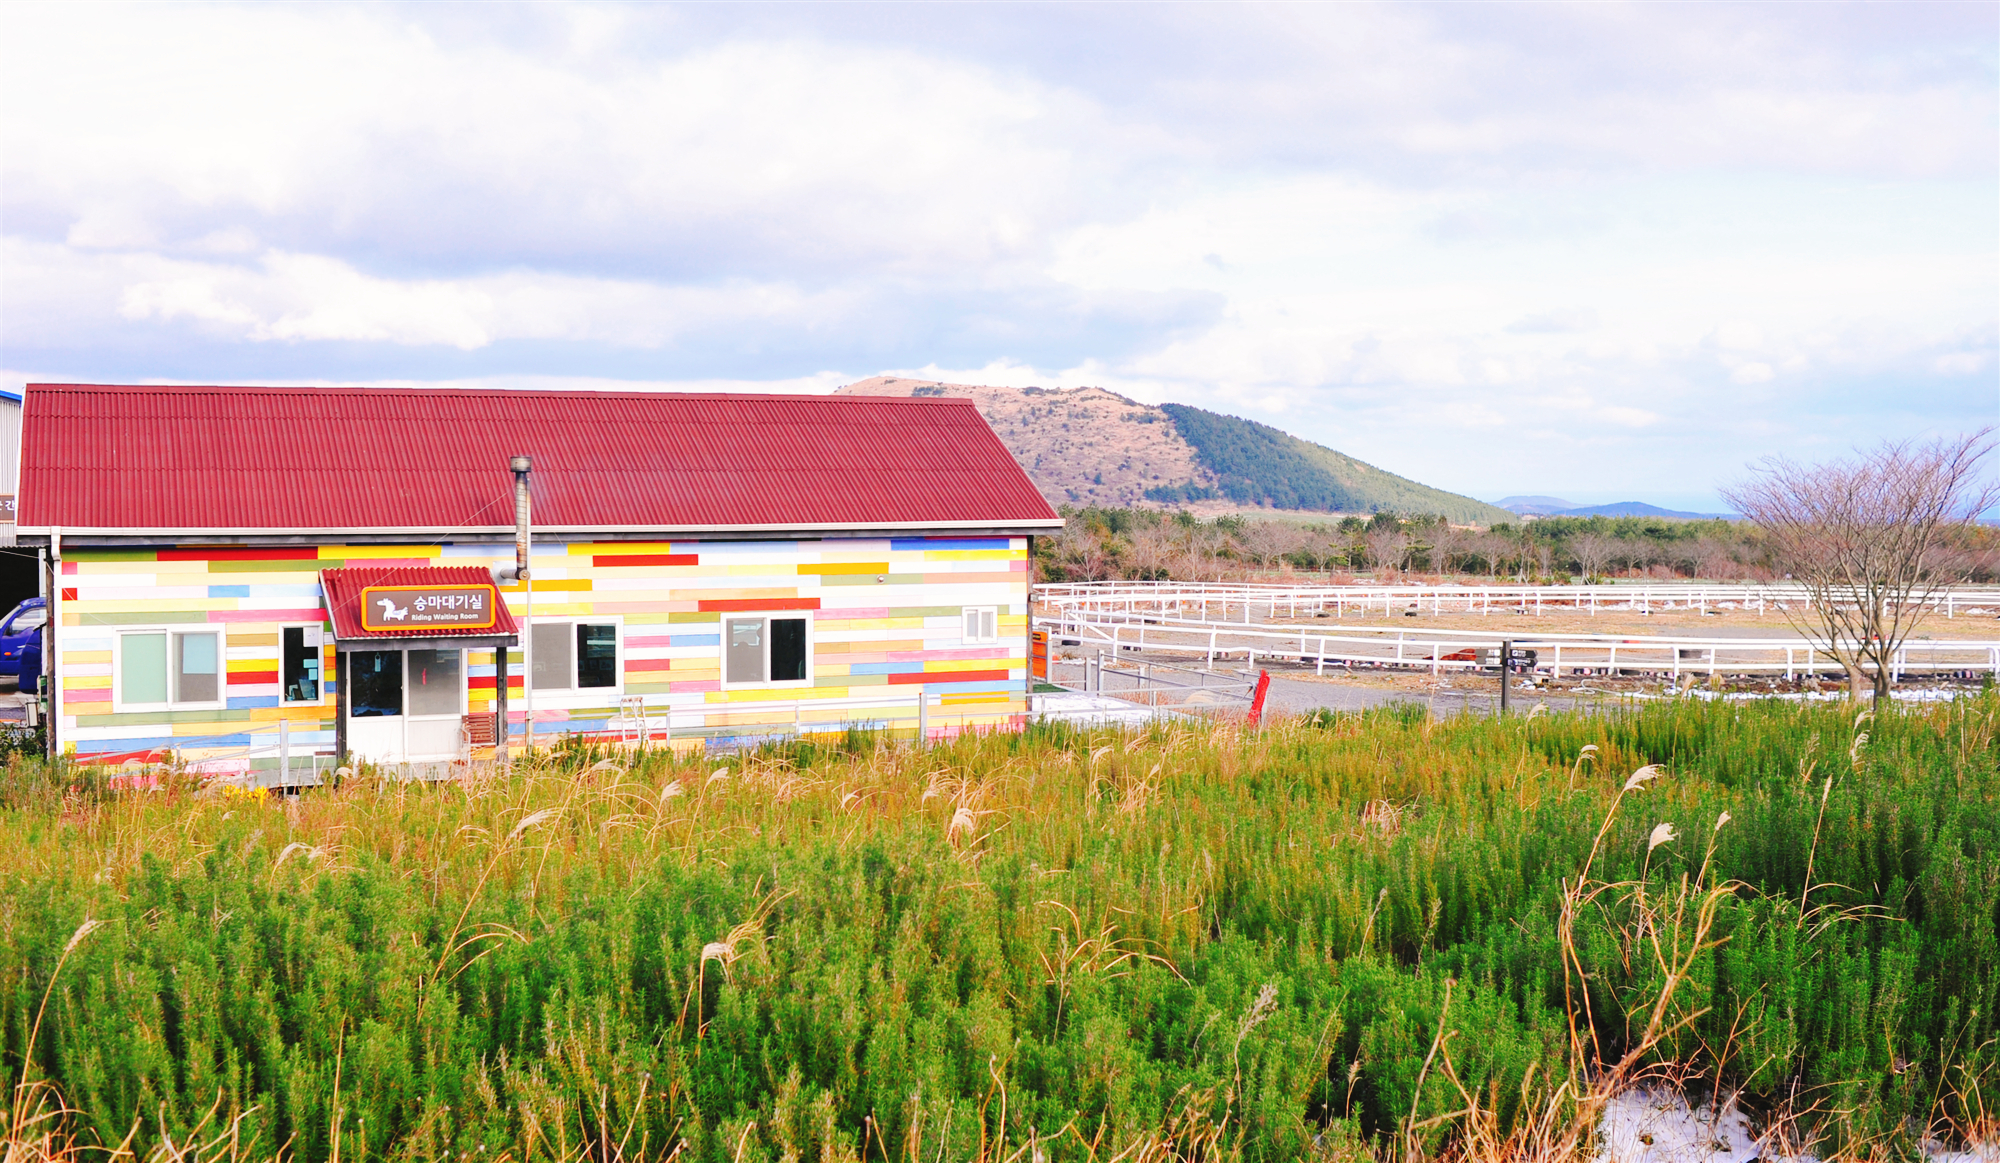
pixel 520 466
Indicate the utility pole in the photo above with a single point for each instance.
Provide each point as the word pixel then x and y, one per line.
pixel 1506 664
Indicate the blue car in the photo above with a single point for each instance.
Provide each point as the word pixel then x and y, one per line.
pixel 21 632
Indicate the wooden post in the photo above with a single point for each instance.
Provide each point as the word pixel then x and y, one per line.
pixel 501 665
pixel 1506 657
pixel 342 700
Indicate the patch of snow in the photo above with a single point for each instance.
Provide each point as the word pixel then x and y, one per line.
pixel 1658 1126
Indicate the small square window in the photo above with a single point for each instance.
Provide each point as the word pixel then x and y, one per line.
pixel 982 625
pixel 766 650
pixel 575 655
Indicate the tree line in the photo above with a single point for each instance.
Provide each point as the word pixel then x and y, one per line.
pixel 1098 544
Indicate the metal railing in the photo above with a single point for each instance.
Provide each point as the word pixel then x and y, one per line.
pixel 1158 683
pixel 1252 601
pixel 935 714
pixel 1468 650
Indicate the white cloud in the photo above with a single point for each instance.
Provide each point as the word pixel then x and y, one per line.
pixel 1412 232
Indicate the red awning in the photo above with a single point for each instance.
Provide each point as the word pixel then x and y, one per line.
pixel 343 601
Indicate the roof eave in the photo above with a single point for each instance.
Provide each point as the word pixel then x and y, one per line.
pixel 1026 527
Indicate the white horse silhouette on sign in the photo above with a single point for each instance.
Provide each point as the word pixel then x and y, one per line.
pixel 391 612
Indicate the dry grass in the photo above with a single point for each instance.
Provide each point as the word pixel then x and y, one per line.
pixel 1171 938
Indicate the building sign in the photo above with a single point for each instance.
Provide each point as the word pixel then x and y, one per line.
pixel 7 508
pixel 428 607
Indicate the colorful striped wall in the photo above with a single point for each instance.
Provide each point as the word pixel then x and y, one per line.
pixel 886 628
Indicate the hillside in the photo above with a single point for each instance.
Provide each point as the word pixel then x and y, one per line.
pixel 1087 446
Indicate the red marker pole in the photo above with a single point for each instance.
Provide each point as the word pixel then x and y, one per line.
pixel 1257 700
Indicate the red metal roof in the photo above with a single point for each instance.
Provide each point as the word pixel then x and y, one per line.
pixel 343 599
pixel 104 457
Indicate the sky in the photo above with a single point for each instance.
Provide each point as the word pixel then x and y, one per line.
pixel 1599 251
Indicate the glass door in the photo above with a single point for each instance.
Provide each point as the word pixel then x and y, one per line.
pixel 405 704
pixel 435 680
pixel 375 704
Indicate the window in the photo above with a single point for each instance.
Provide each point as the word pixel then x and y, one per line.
pixel 166 668
pixel 982 625
pixel 375 683
pixel 436 684
pixel 596 655
pixel 765 650
pixel 575 656
pixel 298 673
pixel 33 618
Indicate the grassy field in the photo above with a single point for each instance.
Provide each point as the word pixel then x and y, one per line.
pixel 1373 936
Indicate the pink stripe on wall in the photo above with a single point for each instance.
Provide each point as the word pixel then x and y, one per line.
pixel 94 695
pixel 642 640
pixel 825 615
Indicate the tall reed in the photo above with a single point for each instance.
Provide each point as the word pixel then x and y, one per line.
pixel 1356 934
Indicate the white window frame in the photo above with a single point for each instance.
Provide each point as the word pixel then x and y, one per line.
pixel 971 633
pixel 616 622
pixel 221 701
pixel 325 636
pixel 722 649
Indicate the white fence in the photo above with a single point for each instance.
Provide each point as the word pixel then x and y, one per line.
pixel 1467 650
pixel 1254 601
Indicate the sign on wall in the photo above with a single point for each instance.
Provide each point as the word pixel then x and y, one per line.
pixel 428 607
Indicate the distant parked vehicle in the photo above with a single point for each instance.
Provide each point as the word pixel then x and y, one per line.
pixel 31 663
pixel 19 630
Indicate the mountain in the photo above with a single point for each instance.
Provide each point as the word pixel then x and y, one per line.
pixel 1535 506
pixel 1557 507
pixel 1087 446
pixel 1632 509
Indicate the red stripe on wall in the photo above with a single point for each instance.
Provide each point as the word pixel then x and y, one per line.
pixel 948 676
pixel 650 664
pixel 306 553
pixel 645 559
pixel 249 677
pixel 730 605
pixel 69 595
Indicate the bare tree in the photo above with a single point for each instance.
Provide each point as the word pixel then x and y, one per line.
pixel 1387 546
pixel 1711 559
pixel 1636 552
pixel 1080 550
pixel 1152 551
pixel 1447 543
pixel 1865 538
pixel 1269 541
pixel 1492 548
pixel 1201 551
pixel 1593 552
